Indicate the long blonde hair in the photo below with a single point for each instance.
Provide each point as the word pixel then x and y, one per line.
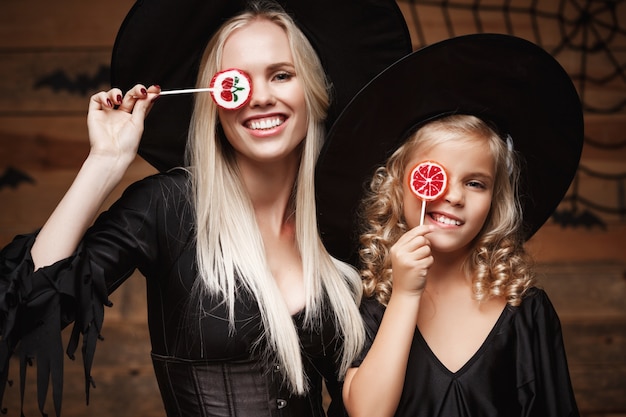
pixel 498 263
pixel 230 250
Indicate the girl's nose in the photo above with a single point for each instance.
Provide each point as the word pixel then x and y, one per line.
pixel 261 94
pixel 454 194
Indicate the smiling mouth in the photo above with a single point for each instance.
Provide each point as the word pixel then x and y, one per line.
pixel 439 218
pixel 267 123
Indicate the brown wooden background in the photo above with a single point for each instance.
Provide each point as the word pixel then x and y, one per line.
pixel 53 55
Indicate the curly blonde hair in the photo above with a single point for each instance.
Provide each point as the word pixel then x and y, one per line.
pixel 498 263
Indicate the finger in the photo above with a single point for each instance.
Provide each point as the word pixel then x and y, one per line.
pixel 116 96
pixel 101 100
pixel 154 89
pixel 143 105
pixel 421 253
pixel 417 231
pixel 423 229
pixel 414 242
pixel 131 97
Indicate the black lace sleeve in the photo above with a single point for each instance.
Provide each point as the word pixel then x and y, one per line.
pixel 35 306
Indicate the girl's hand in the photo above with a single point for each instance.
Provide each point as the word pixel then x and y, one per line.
pixel 410 260
pixel 116 122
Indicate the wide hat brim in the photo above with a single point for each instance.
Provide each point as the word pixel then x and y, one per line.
pixel 161 42
pixel 504 79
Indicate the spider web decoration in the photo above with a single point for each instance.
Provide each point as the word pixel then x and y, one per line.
pixel 588 38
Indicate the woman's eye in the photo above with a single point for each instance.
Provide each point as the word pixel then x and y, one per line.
pixel 283 76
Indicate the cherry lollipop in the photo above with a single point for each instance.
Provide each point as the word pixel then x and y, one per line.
pixel 428 180
pixel 231 89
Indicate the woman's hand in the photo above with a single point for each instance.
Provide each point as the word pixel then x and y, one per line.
pixel 115 127
pixel 116 122
pixel 410 260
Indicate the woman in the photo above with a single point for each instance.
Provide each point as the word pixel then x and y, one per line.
pixel 248 313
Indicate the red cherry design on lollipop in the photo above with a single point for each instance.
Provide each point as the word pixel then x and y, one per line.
pixel 227 84
pixel 226 93
pixel 428 181
pixel 234 87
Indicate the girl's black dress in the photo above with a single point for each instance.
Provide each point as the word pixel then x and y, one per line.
pixel 519 371
pixel 202 368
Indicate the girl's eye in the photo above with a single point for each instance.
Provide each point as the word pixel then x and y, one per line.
pixel 476 184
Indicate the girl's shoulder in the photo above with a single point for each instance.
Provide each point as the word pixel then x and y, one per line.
pixel 535 297
pixel 537 306
pixel 372 312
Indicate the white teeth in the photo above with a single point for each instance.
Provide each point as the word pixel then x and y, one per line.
pixel 445 220
pixel 265 123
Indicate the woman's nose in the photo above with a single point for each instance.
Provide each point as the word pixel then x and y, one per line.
pixel 261 95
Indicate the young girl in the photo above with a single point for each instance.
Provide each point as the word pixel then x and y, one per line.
pixel 248 313
pixel 456 324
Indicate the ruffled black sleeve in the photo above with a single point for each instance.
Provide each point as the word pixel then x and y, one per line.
pixel 36 305
pixel 544 382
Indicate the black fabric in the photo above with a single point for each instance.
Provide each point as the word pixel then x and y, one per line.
pixel 519 371
pixel 35 307
pixel 150 228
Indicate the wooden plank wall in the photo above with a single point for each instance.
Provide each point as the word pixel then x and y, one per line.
pixel 54 55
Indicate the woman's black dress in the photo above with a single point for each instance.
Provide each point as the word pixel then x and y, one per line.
pixel 519 371
pixel 202 368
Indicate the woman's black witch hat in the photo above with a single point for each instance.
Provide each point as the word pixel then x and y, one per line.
pixel 161 42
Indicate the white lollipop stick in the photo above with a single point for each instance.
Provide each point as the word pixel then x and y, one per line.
pixel 423 212
pixel 185 91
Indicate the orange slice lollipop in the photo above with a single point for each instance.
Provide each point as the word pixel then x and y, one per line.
pixel 428 180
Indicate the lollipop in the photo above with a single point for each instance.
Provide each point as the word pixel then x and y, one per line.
pixel 230 89
pixel 428 181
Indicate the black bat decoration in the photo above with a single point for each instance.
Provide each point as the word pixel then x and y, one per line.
pixel 574 218
pixel 81 84
pixel 13 178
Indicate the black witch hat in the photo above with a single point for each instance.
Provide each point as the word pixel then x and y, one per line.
pixel 161 42
pixel 505 80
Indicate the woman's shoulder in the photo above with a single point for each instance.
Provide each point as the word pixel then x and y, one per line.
pixel 162 198
pixel 174 179
pixel 170 186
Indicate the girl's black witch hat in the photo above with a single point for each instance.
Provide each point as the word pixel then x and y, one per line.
pixel 507 80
